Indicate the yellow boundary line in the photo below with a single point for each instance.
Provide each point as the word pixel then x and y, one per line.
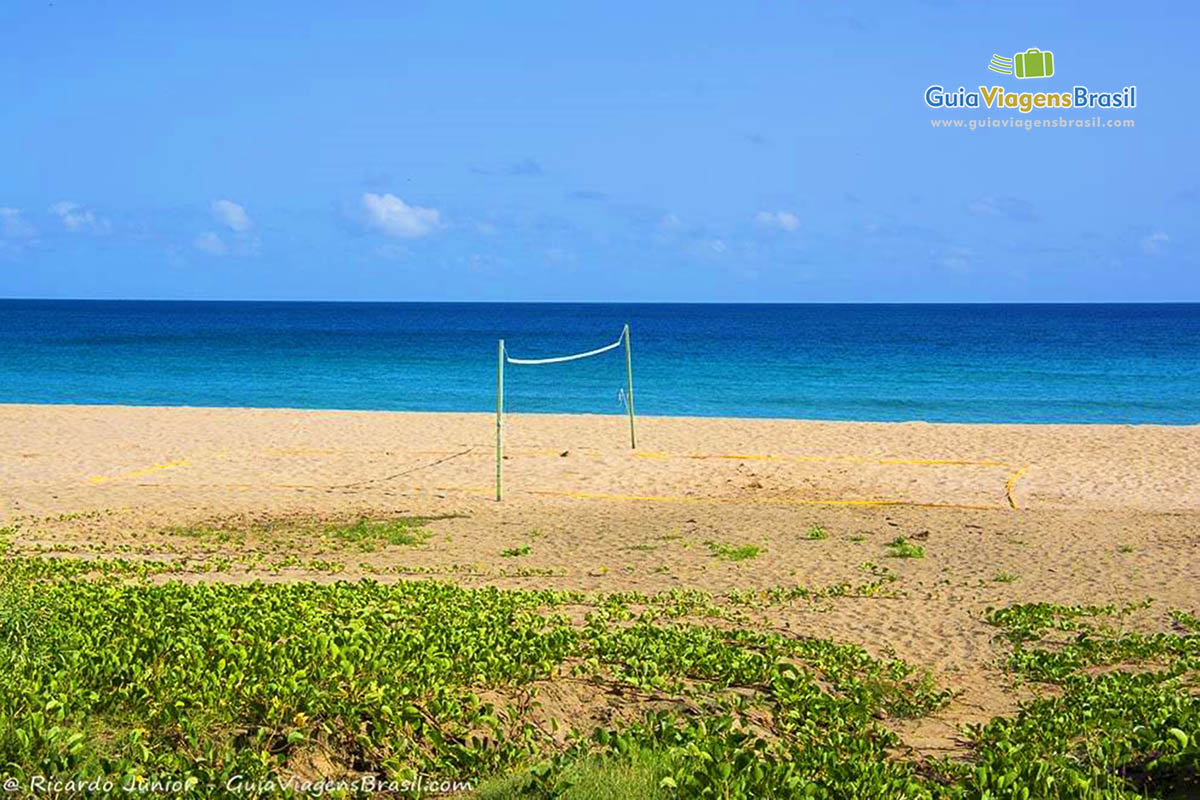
pixel 592 452
pixel 139 473
pixel 851 459
pixel 773 501
pixel 652 498
pixel 1012 482
pixel 589 453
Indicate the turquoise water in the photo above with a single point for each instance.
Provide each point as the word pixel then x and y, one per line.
pixel 974 363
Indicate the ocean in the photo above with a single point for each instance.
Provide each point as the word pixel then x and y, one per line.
pixel 1127 363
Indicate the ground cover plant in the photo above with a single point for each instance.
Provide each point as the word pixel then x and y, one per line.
pixel 105 673
pixel 728 552
pixel 362 533
pixel 903 548
pixel 369 534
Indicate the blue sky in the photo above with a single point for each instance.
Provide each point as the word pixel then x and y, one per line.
pixel 609 152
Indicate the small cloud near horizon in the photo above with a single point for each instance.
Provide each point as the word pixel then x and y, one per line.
pixel 1013 208
pixel 671 222
pixel 1155 243
pixel 711 247
pixel 210 243
pixel 13 224
pixel 231 215
pixel 78 219
pixel 783 220
pixel 956 259
pixel 392 216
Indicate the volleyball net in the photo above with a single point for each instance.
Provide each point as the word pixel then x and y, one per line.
pixel 503 357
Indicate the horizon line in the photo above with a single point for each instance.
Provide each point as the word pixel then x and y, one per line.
pixel 612 302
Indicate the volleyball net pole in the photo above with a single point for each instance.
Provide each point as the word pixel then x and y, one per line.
pixel 500 422
pixel 629 386
pixel 502 357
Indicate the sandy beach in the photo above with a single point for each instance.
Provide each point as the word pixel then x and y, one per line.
pixel 1004 513
pixel 60 459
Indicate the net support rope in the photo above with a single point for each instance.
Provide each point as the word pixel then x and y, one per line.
pixel 503 357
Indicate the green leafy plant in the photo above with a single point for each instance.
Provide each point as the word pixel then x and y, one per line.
pixel 368 534
pixel 109 672
pixel 902 548
pixel 727 552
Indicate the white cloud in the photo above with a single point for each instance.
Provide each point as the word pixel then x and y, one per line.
pixel 671 222
pixel 784 220
pixel 232 215
pixel 956 259
pixel 391 215
pixel 211 243
pixel 78 219
pixel 481 262
pixel 1155 243
pixel 13 225
pixel 1014 208
pixel 710 247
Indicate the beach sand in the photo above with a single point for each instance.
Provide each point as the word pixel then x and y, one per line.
pixel 1058 513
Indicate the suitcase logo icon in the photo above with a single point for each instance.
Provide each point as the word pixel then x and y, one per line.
pixel 1033 63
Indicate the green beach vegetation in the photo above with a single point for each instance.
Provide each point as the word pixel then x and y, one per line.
pixel 901 547
pixel 369 534
pixel 728 552
pixel 107 674
pixel 363 533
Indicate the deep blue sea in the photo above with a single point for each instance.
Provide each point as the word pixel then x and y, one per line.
pixel 972 363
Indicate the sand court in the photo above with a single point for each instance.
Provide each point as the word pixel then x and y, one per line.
pixel 62 459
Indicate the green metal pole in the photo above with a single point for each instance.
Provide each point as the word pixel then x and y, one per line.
pixel 500 421
pixel 629 386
